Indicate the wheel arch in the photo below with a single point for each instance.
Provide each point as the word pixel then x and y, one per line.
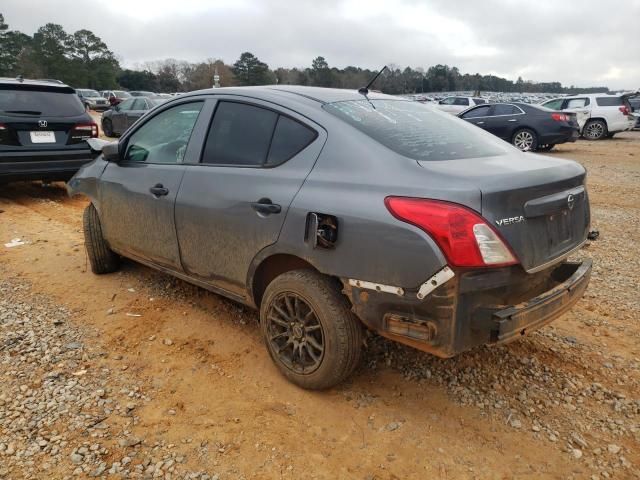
pixel 265 270
pixel 523 127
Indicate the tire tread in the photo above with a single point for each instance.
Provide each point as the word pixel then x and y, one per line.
pixel 101 257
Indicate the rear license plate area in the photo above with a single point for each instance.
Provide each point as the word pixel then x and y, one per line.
pixel 43 137
pixel 559 230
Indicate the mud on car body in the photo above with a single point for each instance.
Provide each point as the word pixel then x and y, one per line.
pixel 328 210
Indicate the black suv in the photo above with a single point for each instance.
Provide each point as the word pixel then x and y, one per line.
pixel 43 130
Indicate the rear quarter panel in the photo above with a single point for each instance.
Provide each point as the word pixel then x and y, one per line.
pixel 350 181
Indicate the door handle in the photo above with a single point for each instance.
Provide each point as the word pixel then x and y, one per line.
pixel 158 190
pixel 479 123
pixel 264 206
pixel 513 120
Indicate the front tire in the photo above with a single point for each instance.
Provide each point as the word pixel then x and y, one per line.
pixel 525 140
pixel 101 257
pixel 310 332
pixel 595 130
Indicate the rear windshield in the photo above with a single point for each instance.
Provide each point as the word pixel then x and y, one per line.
pixel 609 101
pixel 415 130
pixel 37 102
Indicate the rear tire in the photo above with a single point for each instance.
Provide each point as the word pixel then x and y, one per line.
pixel 101 257
pixel 525 140
pixel 311 333
pixel 595 130
pixel 107 127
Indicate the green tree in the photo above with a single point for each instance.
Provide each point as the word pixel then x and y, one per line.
pixel 138 80
pixel 92 64
pixel 49 48
pixel 12 44
pixel 320 73
pixel 249 70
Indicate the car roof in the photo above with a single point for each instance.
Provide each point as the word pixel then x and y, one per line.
pixel 29 84
pixel 316 94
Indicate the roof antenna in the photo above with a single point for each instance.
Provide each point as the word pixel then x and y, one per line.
pixel 365 90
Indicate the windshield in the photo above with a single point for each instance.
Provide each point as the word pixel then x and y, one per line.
pixel 121 94
pixel 156 101
pixel 89 93
pixel 415 130
pixel 35 102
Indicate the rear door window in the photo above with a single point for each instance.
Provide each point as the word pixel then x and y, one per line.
pixel 461 101
pixel 505 109
pixel 609 101
pixel 240 134
pixel 248 135
pixel 414 130
pixel 479 101
pixel 38 102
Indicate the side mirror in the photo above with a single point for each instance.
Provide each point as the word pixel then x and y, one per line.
pixel 111 152
pixel 116 107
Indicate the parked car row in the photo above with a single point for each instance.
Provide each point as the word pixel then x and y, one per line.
pixel 597 116
pixel 527 127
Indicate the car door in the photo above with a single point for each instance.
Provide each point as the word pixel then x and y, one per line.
pixel 137 194
pixel 478 115
pixel 579 106
pixel 233 203
pixel 504 119
pixel 118 116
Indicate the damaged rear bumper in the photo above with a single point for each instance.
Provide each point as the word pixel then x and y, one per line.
pixel 515 321
pixel 473 307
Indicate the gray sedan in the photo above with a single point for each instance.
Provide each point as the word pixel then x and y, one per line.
pixel 332 211
pixel 120 117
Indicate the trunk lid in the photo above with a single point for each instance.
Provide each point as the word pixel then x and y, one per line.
pixel 538 204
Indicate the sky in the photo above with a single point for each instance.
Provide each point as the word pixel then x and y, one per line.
pixel 577 42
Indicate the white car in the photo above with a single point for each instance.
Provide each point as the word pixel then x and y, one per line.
pixel 455 105
pixel 599 115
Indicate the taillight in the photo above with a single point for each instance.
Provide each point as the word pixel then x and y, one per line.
pixel 2 127
pixel 625 110
pixel 560 117
pixel 86 129
pixel 465 238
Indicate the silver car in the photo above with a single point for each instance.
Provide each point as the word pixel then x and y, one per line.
pixel 92 100
pixel 332 211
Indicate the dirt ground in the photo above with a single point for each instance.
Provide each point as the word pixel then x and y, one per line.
pixel 561 403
